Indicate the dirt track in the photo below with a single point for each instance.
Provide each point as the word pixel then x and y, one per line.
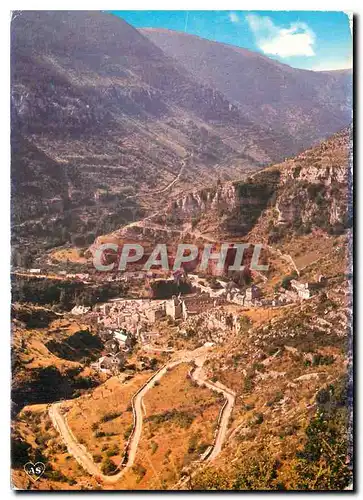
pixel 198 376
pixel 80 453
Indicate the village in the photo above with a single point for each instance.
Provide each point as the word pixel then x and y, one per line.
pixel 162 311
pixel 209 312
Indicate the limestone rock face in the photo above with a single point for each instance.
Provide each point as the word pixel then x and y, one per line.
pixel 103 118
pixel 306 192
pixel 197 202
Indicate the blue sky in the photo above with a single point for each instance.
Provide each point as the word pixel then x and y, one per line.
pixel 302 39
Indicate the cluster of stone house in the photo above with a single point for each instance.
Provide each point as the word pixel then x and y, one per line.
pixel 117 340
pixel 128 276
pixel 229 291
pixel 252 296
pixel 247 298
pixel 299 291
pixel 149 337
pixel 133 315
pixel 117 343
pixel 111 364
pixel 212 325
pixel 302 289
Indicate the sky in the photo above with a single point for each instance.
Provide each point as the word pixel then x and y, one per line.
pixel 303 39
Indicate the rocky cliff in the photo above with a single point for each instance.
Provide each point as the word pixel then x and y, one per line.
pixel 306 192
pixel 107 126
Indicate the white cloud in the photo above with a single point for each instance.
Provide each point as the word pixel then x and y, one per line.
pixel 297 40
pixel 233 17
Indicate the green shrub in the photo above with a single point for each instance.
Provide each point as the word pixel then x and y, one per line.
pixel 115 450
pixel 319 359
pixel 140 471
pixel 128 431
pixel 278 396
pixel 154 446
pixel 99 434
pixel 181 418
pixel 108 467
pixel 193 442
pixel 110 416
pixel 322 464
pixel 257 419
pixel 244 323
pixel 55 475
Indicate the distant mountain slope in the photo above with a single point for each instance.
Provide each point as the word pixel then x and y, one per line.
pixel 128 126
pixel 305 195
pixel 311 191
pixel 87 72
pixel 94 95
pixel 29 166
pixel 307 105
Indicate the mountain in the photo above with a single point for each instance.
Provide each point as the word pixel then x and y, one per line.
pixel 305 105
pixel 118 117
pixel 123 126
pixel 236 395
pixel 303 202
pixel 303 194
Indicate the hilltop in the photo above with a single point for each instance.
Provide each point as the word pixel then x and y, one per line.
pixel 306 106
pixel 107 125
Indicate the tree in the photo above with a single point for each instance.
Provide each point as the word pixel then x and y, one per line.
pixel 108 467
pixel 63 301
pixel 323 464
pixel 285 283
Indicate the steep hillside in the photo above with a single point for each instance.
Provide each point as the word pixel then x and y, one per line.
pixel 106 125
pixel 306 105
pixel 207 378
pixel 48 361
pixel 29 166
pixel 290 428
pixel 297 209
pixel 118 122
pixel 307 192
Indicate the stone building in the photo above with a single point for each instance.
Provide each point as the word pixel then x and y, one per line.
pixel 78 310
pixel 252 293
pixel 176 308
pixel 110 363
pixel 112 346
pixel 154 314
pixel 124 339
pixel 302 289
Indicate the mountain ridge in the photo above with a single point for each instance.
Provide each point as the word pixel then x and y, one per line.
pixel 120 118
pixel 285 98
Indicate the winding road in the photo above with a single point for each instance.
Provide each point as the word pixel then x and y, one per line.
pixel 198 376
pixel 80 453
pixel 158 191
pixel 162 190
